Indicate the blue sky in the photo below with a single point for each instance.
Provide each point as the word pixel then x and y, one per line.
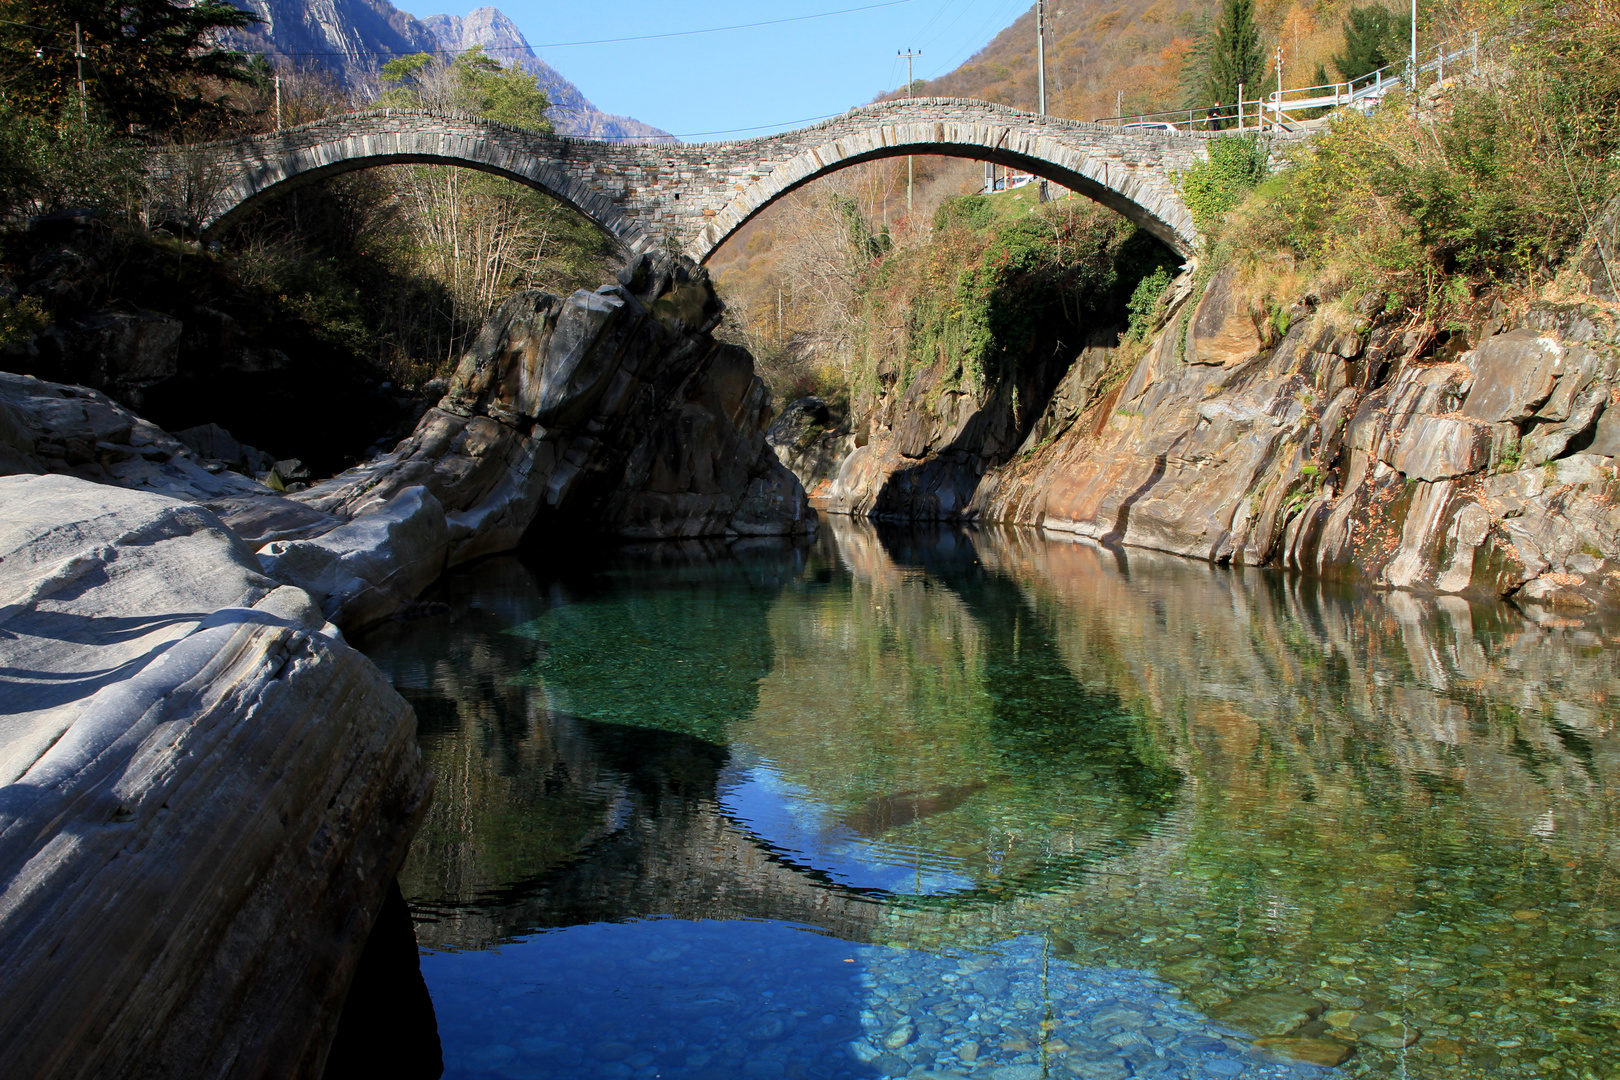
pixel 767 78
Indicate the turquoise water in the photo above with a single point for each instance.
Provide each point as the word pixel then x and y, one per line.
pixel 994 805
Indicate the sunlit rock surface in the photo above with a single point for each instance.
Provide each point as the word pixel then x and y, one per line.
pixel 1490 473
pixel 613 409
pixel 1385 455
pixel 205 794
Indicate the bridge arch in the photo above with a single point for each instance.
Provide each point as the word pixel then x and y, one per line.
pixel 1146 195
pixel 692 196
pixel 249 172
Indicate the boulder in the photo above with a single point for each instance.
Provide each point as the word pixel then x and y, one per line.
pixel 1271 1014
pixel 1222 330
pixel 368 569
pixel 203 797
pixel 1514 374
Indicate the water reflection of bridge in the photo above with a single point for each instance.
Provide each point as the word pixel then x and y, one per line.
pixel 670 855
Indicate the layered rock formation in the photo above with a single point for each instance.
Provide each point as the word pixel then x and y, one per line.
pixel 614 407
pixel 205 792
pixel 1372 454
pixel 205 795
pixel 611 411
pixel 1358 456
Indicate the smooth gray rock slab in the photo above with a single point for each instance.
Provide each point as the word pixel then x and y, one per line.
pixel 95 581
pixel 201 801
pixel 371 567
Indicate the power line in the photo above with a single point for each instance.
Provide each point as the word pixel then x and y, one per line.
pixel 967 53
pixel 613 41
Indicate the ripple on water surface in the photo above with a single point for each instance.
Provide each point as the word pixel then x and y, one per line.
pixel 995 806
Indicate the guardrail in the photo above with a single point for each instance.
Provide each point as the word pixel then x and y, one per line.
pixel 1276 110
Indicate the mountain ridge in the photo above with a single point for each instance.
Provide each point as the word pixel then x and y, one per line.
pixel 350 39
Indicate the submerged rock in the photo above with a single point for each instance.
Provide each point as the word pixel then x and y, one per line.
pixel 204 794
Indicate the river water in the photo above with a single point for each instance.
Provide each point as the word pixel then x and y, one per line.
pixel 1000 805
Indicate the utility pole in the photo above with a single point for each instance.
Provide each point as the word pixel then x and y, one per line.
pixel 78 59
pixel 1040 63
pixel 1040 48
pixel 910 56
pixel 1280 85
pixel 1414 86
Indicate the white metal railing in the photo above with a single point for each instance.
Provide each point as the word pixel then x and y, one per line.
pixel 1275 109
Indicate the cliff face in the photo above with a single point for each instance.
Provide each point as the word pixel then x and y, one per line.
pixel 1481 466
pixel 1358 456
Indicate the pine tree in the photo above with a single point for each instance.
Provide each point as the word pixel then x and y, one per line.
pixel 1373 38
pixel 147 63
pixel 1234 56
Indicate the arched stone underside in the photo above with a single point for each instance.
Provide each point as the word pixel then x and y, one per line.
pixel 692 196
pixel 1152 202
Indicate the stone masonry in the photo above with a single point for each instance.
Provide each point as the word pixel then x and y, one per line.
pixel 691 197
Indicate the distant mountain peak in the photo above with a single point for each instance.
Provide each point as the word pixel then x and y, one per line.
pixel 352 39
pixel 570 111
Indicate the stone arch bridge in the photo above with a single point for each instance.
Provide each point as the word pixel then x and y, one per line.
pixel 692 196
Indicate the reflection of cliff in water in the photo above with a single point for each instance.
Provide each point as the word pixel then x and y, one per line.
pixel 541 819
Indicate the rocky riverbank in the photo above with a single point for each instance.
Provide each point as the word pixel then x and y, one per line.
pixel 205 795
pixel 614 411
pixel 1477 460
pixel 204 792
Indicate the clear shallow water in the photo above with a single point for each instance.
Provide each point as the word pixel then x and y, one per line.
pixel 994 805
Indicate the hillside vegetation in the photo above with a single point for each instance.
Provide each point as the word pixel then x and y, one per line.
pixel 1487 184
pixel 1470 195
pixel 1101 54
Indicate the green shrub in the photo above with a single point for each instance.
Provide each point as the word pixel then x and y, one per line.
pixel 1144 303
pixel 21 319
pixel 66 161
pixel 985 291
pixel 1211 188
pixel 1489 188
pixel 964 212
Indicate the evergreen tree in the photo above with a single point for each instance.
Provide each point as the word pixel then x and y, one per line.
pixel 1230 55
pixel 147 63
pixel 1374 37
